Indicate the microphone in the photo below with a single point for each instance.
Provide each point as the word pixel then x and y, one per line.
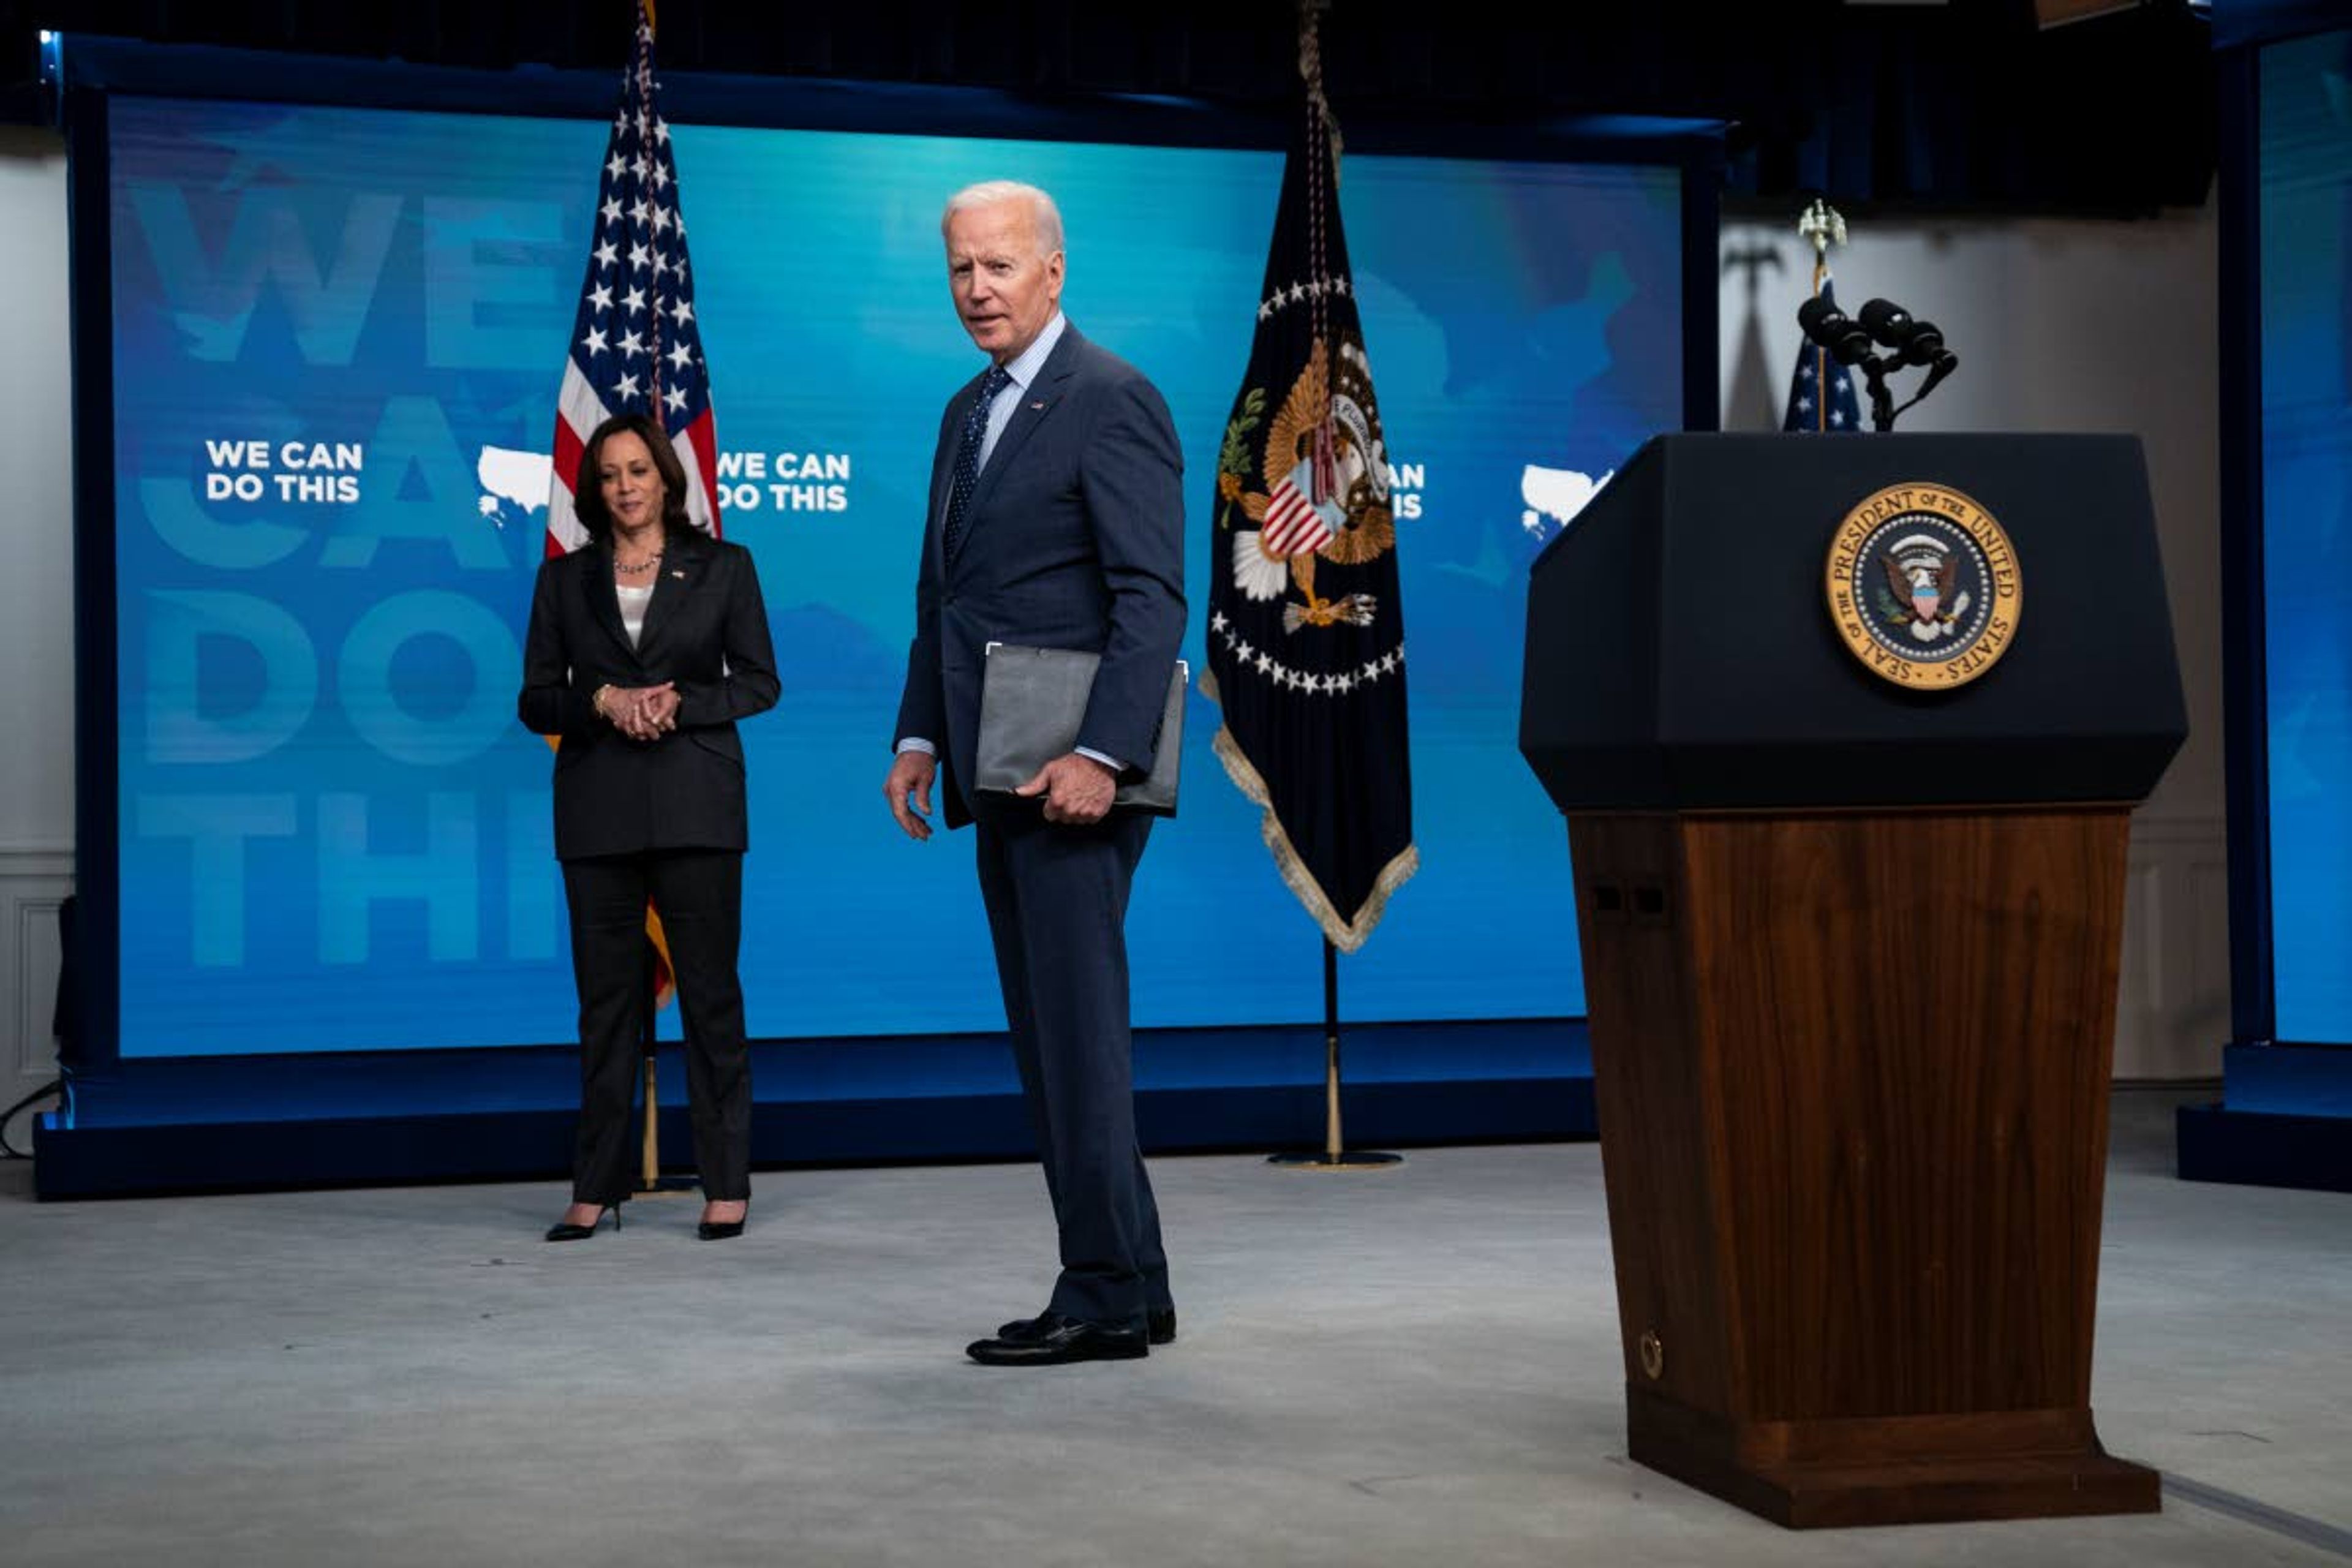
pixel 1914 341
pixel 1945 363
pixel 1832 329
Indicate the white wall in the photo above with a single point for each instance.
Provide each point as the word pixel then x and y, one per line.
pixel 2061 325
pixel 2064 324
pixel 37 777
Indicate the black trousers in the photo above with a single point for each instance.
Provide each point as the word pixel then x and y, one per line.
pixel 1057 899
pixel 698 894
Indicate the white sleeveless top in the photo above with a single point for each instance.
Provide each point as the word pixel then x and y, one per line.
pixel 632 608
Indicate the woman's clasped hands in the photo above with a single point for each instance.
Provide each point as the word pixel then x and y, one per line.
pixel 640 712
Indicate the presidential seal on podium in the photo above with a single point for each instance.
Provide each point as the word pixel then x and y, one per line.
pixel 1923 586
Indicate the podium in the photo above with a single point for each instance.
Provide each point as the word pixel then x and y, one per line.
pixel 1851 947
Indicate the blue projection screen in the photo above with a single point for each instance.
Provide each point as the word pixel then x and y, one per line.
pixel 338 335
pixel 2306 150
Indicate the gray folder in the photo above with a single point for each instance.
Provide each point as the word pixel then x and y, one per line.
pixel 1032 701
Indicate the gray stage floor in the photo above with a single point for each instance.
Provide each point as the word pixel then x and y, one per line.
pixel 1414 1367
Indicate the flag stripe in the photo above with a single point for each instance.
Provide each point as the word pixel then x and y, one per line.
pixel 1292 523
pixel 699 456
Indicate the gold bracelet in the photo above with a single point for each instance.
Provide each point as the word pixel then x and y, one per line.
pixel 597 702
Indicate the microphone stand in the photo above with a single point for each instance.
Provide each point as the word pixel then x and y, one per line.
pixel 1875 370
pixel 1882 400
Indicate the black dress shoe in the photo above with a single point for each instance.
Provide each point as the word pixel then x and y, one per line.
pixel 721 1230
pixel 1159 1326
pixel 1062 1340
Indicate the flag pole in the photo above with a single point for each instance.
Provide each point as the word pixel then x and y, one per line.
pixel 1823 225
pixel 1336 1154
pixel 651 1183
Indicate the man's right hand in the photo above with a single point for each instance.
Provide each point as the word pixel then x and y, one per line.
pixel 910 776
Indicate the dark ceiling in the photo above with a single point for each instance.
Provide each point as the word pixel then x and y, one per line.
pixel 1971 105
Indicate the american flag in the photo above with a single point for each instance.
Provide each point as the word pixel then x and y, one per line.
pixel 635 348
pixel 1820 393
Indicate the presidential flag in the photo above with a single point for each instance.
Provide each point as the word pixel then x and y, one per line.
pixel 635 348
pixel 1820 393
pixel 1306 648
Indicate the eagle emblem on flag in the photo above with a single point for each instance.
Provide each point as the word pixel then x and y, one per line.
pixel 1330 498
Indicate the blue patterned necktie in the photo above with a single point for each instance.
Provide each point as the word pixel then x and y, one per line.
pixel 967 463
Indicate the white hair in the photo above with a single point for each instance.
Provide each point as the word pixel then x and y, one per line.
pixel 988 192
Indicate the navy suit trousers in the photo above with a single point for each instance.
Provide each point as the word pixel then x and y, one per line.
pixel 1057 899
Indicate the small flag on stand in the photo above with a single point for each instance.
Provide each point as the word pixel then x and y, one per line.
pixel 1820 393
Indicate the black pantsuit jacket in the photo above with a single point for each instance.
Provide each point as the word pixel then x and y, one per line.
pixel 706 629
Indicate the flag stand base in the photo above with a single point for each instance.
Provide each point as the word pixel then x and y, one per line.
pixel 1335 1154
pixel 1351 1159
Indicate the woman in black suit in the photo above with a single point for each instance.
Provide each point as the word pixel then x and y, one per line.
pixel 645 645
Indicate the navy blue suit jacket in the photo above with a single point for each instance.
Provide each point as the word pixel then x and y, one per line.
pixel 1074 538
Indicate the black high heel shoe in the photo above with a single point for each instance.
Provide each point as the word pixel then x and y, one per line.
pixel 561 1231
pixel 720 1230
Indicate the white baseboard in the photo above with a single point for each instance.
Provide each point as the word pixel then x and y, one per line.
pixel 33 880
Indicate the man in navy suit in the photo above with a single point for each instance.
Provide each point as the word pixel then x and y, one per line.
pixel 1056 520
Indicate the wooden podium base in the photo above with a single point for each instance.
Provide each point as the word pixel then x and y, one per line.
pixel 1864 1058
pixel 1903 1470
